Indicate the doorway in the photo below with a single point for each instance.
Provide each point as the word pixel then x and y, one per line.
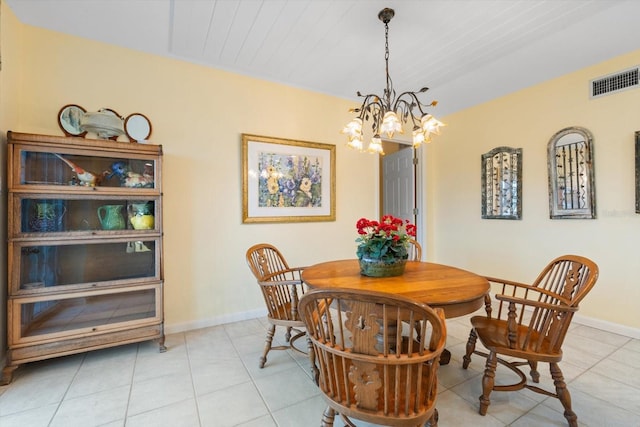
pixel 401 184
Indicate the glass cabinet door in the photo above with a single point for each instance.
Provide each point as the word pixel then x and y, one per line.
pixel 67 168
pixel 50 214
pixel 57 316
pixel 42 267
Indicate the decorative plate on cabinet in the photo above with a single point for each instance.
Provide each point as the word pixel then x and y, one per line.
pixel 69 118
pixel 138 127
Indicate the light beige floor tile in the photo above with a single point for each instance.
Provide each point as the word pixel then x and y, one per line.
pixel 305 413
pixel 210 343
pixel 102 375
pixel 627 356
pixel 33 391
pixel 92 410
pixel 173 362
pixel 245 327
pixel 542 416
pixel 247 344
pixel 38 417
pixel 116 423
pixel 599 335
pixel 452 374
pixel 232 406
pixel 277 361
pixel 264 421
pixel 625 373
pixel 212 375
pixel 633 345
pixel 505 406
pixel 180 414
pixel 158 392
pixel 454 411
pixel 285 389
pixel 594 412
pixel 616 393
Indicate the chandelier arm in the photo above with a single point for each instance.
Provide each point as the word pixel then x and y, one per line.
pixel 416 102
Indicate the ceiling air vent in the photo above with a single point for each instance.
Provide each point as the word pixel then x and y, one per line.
pixel 615 82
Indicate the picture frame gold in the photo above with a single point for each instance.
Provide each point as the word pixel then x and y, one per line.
pixel 286 180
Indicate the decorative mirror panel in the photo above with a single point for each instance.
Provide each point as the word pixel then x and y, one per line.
pixel 571 175
pixel 502 183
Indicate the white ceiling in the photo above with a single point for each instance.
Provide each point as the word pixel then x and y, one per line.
pixel 465 51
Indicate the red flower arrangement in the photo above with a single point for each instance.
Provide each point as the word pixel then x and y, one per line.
pixel 387 240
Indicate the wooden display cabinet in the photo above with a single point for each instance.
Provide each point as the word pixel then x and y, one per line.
pixel 84 246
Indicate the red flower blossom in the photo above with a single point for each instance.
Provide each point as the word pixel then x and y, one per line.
pixel 387 239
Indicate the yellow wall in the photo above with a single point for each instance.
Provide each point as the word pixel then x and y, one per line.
pixel 198 114
pixel 519 249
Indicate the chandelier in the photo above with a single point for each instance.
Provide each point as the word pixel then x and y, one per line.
pixel 388 113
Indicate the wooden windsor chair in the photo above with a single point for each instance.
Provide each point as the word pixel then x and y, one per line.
pixel 530 325
pixel 415 250
pixel 373 368
pixel 281 287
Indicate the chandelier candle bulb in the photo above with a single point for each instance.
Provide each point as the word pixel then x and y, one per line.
pixel 389 113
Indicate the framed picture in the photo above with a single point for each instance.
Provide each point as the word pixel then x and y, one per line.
pixel 286 180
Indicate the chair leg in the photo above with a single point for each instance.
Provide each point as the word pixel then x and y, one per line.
pixel 535 375
pixel 563 394
pixel 312 361
pixel 471 347
pixel 267 345
pixel 287 335
pixel 488 381
pixel 327 417
pixel 433 421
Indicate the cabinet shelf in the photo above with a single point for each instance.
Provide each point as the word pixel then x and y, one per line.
pixel 84 255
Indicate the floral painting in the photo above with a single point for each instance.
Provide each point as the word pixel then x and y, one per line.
pixel 287 180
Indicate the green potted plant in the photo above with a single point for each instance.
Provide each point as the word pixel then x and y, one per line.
pixel 383 245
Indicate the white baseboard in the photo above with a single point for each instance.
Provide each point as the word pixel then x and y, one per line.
pixel 175 328
pixel 604 325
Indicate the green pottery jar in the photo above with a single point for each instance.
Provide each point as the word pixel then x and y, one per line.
pixel 379 268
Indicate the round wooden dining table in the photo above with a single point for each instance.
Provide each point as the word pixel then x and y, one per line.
pixel 456 291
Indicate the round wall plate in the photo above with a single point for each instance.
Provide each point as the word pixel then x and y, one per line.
pixel 137 127
pixel 69 120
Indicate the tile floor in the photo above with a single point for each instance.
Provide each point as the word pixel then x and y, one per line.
pixel 210 377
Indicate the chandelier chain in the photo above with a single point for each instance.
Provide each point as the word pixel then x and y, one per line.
pixel 386 60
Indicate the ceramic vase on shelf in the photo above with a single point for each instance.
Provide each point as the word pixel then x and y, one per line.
pixel 47 216
pixel 110 217
pixel 381 268
pixel 141 216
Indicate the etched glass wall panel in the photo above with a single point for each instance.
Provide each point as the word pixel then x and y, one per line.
pixel 571 178
pixel 502 183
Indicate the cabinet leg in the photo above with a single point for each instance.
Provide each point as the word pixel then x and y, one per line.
pixel 162 348
pixel 7 374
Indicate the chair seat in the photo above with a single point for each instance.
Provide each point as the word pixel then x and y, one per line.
pixel 493 334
